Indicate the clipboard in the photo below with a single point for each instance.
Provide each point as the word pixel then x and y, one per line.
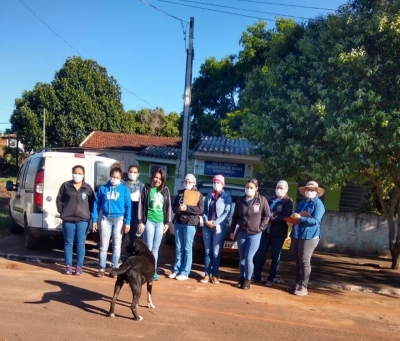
pixel 295 221
pixel 191 198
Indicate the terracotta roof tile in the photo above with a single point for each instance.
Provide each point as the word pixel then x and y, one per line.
pixel 105 140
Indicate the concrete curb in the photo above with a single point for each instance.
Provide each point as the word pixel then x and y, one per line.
pixel 42 259
pixel 314 285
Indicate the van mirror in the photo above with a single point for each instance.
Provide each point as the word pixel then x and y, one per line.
pixel 10 185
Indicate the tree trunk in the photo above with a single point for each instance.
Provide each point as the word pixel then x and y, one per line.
pixel 395 259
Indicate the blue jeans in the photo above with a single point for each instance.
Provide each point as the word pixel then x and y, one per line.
pixel 248 245
pixel 152 236
pixel 261 256
pixel 184 235
pixel 132 232
pixel 213 244
pixel 110 226
pixel 75 232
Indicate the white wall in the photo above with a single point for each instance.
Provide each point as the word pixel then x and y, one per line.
pixel 128 157
pixel 354 233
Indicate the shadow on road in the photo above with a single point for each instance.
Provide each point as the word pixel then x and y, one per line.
pixel 75 296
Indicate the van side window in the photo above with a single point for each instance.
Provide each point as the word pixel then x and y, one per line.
pixel 31 175
pixel 21 175
pixel 101 174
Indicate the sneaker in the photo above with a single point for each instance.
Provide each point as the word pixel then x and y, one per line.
pixel 78 271
pixel 301 291
pixel 155 277
pixel 269 283
pixel 68 270
pixel 246 284
pixel 172 276
pixel 181 277
pixel 205 279
pixel 101 272
pixel 240 283
pixel 293 288
pixel 214 280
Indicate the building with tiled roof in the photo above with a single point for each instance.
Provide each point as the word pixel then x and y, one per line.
pixel 124 147
pixel 105 141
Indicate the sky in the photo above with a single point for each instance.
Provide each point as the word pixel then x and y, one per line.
pixel 140 42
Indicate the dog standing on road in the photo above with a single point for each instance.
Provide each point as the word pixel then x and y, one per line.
pixel 136 270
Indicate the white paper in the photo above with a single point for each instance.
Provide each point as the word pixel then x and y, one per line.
pixel 135 196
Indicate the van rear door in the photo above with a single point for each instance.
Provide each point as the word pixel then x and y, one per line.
pixel 57 170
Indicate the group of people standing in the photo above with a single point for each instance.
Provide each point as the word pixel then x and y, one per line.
pixel 131 208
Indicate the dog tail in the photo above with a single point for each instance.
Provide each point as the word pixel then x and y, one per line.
pixel 121 270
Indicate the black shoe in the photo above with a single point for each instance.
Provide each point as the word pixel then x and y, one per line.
pixel 246 285
pixel 240 283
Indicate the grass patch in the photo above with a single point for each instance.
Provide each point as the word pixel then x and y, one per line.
pixel 4 180
pixel 4 222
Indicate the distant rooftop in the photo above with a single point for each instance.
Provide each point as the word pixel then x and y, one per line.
pixel 105 140
pixel 224 145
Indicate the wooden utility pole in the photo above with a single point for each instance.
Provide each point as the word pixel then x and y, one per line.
pixel 186 107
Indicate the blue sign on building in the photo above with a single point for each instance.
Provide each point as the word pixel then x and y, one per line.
pixel 227 169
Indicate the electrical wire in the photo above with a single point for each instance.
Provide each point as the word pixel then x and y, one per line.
pixel 287 5
pixel 158 9
pixel 243 9
pixel 77 50
pixel 50 28
pixel 215 10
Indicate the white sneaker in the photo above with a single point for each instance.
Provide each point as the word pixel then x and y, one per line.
pixel 172 276
pixel 181 277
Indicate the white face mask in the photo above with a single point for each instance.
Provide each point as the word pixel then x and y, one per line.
pixel 77 178
pixel 310 194
pixel 217 187
pixel 188 186
pixel 132 176
pixel 115 182
pixel 280 193
pixel 250 192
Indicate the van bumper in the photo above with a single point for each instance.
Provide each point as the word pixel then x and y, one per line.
pixel 42 233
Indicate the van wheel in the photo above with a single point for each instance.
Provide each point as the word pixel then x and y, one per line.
pixel 30 241
pixel 14 227
pixel 169 238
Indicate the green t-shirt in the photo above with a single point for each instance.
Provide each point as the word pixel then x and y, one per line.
pixel 156 206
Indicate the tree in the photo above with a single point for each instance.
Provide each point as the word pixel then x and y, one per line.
pixel 80 99
pixel 217 91
pixel 330 109
pixel 150 122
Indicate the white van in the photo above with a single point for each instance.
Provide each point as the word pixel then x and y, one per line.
pixel 33 207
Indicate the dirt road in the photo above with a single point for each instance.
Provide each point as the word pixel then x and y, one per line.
pixel 39 303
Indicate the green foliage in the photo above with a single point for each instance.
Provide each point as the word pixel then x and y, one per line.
pixel 329 108
pixel 80 99
pixel 150 122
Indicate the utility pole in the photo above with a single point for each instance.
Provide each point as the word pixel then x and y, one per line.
pixel 44 128
pixel 186 107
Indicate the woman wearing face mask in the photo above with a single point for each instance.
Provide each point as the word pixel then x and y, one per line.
pixel 305 235
pixel 186 219
pixel 249 219
pixel 154 212
pixel 75 203
pixel 114 200
pixel 135 187
pixel 217 208
pixel 281 206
